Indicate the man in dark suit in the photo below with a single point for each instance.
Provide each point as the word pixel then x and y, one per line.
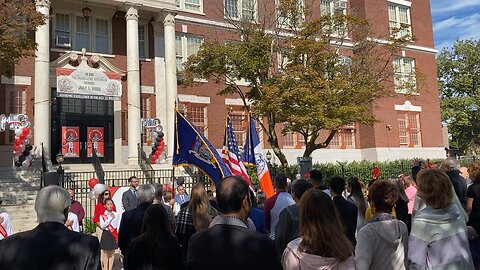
pixel 234 245
pixel 132 220
pixel 347 210
pixel 50 245
pixel 129 197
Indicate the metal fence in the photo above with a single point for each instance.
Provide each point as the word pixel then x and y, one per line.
pixel 78 181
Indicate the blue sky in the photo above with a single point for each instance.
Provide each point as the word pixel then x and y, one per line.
pixel 454 19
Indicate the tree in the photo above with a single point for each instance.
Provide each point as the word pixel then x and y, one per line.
pixel 18 19
pixel 316 85
pixel 459 81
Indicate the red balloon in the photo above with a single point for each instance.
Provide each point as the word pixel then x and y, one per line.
pixel 154 158
pixel 22 137
pixel 26 131
pixel 17 142
pixel 92 182
pixel 162 142
pixel 16 148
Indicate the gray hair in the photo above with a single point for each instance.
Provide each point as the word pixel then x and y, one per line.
pixel 451 164
pixel 145 193
pixel 51 203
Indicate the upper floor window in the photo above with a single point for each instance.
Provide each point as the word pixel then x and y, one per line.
pixel 186 45
pixel 197 114
pixel 335 7
pixel 190 5
pixel 409 129
pixel 344 138
pixel 239 126
pixel 399 20
pixel 289 18
pixel 404 75
pixel 74 32
pixel 241 9
pixel 142 41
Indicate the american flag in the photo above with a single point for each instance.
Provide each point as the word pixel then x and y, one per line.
pixel 231 155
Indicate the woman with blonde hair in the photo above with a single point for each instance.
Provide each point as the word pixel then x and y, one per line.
pixel 439 237
pixel 195 217
pixel 323 243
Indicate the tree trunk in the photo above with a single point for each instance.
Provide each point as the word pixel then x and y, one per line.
pixel 273 141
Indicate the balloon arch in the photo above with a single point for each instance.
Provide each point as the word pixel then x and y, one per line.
pixel 22 147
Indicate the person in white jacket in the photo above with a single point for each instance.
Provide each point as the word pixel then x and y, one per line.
pixel 5 227
pixel 382 243
pixel 323 244
pixel 109 222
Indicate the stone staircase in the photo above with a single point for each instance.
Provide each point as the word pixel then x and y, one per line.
pixel 18 190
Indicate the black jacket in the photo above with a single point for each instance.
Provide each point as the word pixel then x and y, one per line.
pixel 348 215
pixel 50 246
pixel 460 186
pixel 235 248
pixel 131 226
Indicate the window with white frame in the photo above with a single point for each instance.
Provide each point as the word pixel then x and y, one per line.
pixel 399 20
pixel 344 138
pixel 241 9
pixel 404 74
pixel 239 126
pixel 190 5
pixel 409 129
pixel 186 45
pixel 142 41
pixel 290 18
pixel 334 7
pixel 75 32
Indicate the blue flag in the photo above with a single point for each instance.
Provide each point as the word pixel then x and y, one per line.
pixel 192 148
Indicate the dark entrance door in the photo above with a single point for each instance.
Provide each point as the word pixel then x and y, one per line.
pixel 81 125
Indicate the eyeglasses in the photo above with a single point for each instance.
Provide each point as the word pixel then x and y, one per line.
pixel 107 193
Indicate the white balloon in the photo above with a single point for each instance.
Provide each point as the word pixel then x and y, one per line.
pixel 26 163
pixel 22 147
pixel 154 135
pixel 91 195
pixel 29 158
pixel 18 131
pixel 26 141
pixel 99 188
pixel 29 137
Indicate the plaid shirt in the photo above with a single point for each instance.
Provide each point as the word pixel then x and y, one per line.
pixel 184 222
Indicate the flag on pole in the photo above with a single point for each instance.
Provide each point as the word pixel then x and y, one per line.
pixel 230 153
pixel 192 148
pixel 254 155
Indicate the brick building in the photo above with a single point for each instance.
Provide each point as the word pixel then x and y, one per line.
pixel 140 45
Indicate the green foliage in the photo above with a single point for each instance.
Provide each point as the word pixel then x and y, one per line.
pixel 252 173
pixel 18 19
pixel 89 226
pixel 459 81
pixel 316 88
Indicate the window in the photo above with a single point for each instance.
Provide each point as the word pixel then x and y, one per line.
pixel 146 104
pixel 287 18
pixel 404 75
pixel 101 36
pixel 409 129
pixel 399 20
pixel 82 34
pixel 142 41
pixel 72 31
pixel 190 5
pixel 62 30
pixel 71 105
pixel 333 7
pixel 241 9
pixel 197 114
pixel 289 140
pixel 344 138
pixel 239 125
pixel 186 45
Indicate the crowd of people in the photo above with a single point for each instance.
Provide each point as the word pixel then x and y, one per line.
pixel 426 220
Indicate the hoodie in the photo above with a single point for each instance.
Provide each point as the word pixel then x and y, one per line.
pixel 293 259
pixel 439 240
pixel 382 245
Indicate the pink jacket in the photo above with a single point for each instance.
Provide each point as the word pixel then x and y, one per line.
pixel 293 259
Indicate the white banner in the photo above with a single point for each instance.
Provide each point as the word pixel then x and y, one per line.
pixel 88 83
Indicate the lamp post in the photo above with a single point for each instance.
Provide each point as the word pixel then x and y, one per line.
pixel 60 158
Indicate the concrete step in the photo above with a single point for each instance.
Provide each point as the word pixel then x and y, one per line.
pixel 22 217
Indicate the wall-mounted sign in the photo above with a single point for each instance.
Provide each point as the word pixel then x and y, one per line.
pixel 88 83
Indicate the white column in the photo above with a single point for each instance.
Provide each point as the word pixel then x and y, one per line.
pixel 42 124
pixel 133 83
pixel 117 127
pixel 160 88
pixel 170 79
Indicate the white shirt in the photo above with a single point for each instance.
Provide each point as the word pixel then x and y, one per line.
pixel 176 207
pixel 114 221
pixel 6 224
pixel 73 217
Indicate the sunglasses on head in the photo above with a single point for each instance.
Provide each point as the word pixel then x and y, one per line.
pixel 106 193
